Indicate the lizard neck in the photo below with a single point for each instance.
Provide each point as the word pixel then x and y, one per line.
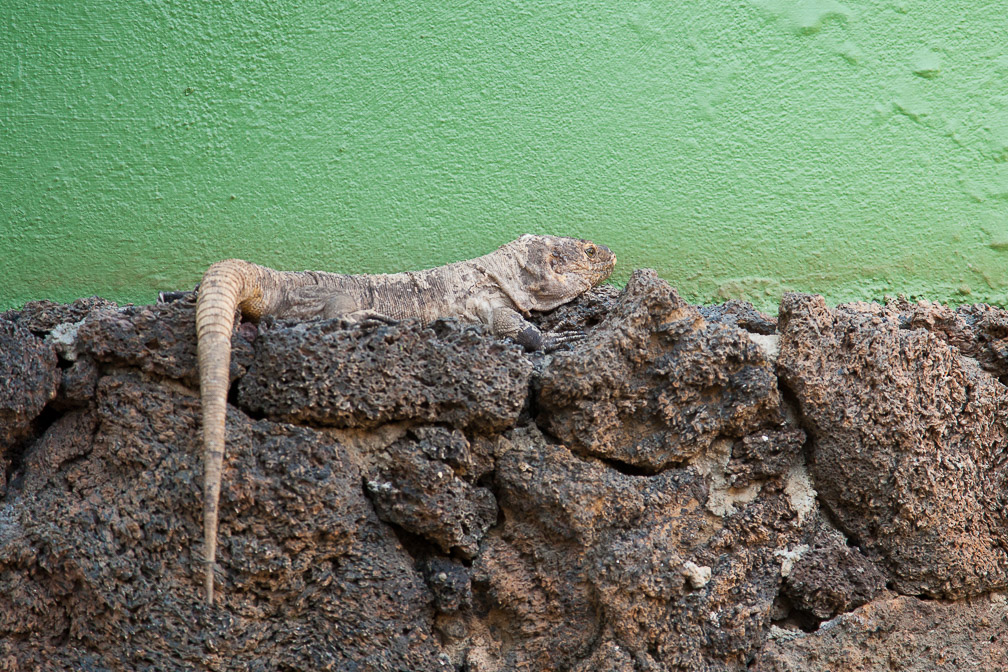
pixel 504 272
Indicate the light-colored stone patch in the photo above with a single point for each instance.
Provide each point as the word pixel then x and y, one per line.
pixel 722 499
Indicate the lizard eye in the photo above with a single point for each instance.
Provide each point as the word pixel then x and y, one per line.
pixel 590 251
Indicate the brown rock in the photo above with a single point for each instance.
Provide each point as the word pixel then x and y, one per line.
pixel 28 381
pixel 898 633
pixel 909 444
pixel 741 314
pixel 768 453
pixel 978 331
pixel 830 578
pixel 410 487
pixel 41 317
pixel 106 546
pixel 655 384
pixel 159 339
pixel 432 525
pixel 589 560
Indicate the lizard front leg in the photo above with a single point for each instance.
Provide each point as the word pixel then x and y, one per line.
pixel 509 323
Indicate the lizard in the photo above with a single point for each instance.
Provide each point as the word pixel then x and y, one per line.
pixel 498 289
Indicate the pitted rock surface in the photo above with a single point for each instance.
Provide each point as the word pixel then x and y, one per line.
pixel 829 577
pixel 589 559
pixel 764 454
pixel 740 314
pixel 324 373
pixel 411 487
pixel 655 384
pixel 304 554
pixel 646 499
pixel 584 312
pixel 41 317
pixel 159 339
pixel 28 381
pixel 978 331
pixel 898 633
pixel 909 444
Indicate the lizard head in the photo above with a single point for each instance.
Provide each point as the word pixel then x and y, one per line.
pixel 555 270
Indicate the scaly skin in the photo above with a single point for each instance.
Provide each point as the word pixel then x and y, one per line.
pixel 498 289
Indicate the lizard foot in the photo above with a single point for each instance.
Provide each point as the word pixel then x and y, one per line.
pixel 367 319
pixel 554 340
pixel 171 297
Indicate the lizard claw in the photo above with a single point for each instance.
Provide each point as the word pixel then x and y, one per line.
pixel 367 320
pixel 171 297
pixel 554 340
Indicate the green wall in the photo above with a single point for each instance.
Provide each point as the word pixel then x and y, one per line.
pixel 741 148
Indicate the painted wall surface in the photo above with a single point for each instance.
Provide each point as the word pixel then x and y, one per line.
pixel 741 147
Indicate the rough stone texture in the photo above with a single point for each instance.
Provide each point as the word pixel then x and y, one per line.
pixel 587 311
pixel 898 633
pixel 159 339
pixel 449 581
pixel 41 317
pixel 673 513
pixel 829 577
pixel 591 560
pixel 77 383
pixel 909 443
pixel 656 383
pixel 28 381
pixel 302 554
pixel 411 487
pixel 740 314
pixel 978 331
pixel 326 374
pixel 764 454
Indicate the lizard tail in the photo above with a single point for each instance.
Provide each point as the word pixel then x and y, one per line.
pixel 225 286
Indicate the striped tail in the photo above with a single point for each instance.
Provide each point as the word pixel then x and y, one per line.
pixel 225 286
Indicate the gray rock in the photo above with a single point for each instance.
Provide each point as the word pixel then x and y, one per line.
pixel 324 373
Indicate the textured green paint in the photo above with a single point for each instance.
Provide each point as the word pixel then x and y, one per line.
pixel 741 148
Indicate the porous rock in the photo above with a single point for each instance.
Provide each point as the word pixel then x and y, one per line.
pixel 590 560
pixel 829 577
pixel 898 633
pixel 105 548
pixel 28 381
pixel 741 314
pixel 327 374
pixel 656 383
pixel 664 521
pixel 979 331
pixel 764 454
pixel 581 314
pixel 41 317
pixel 159 339
pixel 412 488
pixel 908 443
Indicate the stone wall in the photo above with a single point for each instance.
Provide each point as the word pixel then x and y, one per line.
pixel 686 489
